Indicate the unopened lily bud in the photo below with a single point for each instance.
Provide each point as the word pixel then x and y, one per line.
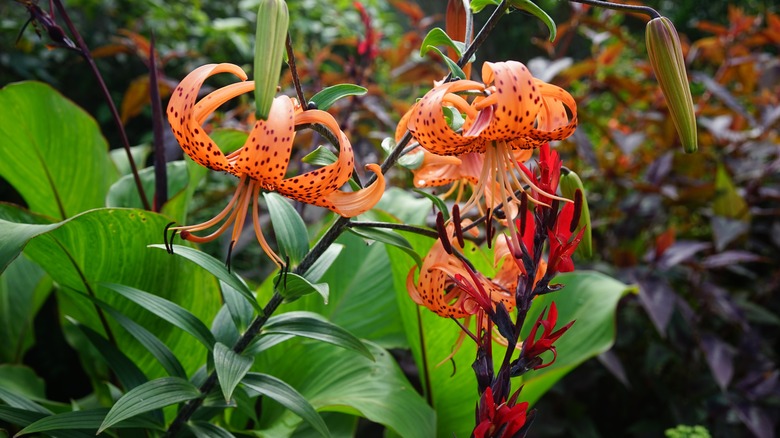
pixel 665 52
pixel 270 38
pixel 570 184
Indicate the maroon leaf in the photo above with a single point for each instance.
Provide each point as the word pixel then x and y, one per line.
pixel 728 258
pixel 680 252
pixel 612 363
pixel 720 358
pixel 757 420
pixel 726 230
pixel 657 297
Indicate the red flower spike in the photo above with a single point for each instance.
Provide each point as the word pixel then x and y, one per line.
pixel 502 420
pixel 562 245
pixel 533 348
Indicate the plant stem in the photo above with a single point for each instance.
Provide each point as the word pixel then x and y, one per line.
pixel 160 169
pixel 296 80
pixel 619 7
pixel 85 53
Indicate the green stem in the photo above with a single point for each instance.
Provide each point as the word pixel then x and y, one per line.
pixel 403 227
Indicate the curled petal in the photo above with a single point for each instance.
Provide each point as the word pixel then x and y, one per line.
pixel 439 170
pixel 186 124
pixel 429 126
pixel 554 123
pixel 350 204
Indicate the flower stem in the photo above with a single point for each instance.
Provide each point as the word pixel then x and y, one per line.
pixel 85 53
pixel 160 169
pixel 403 227
pixel 619 7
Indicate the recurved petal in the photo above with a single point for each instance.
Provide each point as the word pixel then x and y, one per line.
pixel 517 102
pixel 554 122
pixel 266 153
pixel 429 126
pixel 351 204
pixel 187 127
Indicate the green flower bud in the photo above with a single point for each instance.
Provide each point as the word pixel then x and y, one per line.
pixel 665 52
pixel 570 182
pixel 270 38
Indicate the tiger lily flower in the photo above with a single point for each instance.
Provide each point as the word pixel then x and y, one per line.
pixel 262 162
pixel 511 111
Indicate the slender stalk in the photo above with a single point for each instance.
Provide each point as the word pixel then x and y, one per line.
pixel 319 248
pixel 296 80
pixel 160 170
pixel 620 7
pixel 85 53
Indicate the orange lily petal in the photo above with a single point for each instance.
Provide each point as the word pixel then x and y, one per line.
pixel 186 127
pixel 351 204
pixel 518 100
pixel 266 153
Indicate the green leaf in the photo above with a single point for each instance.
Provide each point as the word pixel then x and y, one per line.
pixel 85 420
pixel 329 95
pixel 728 203
pixel 155 346
pixel 570 182
pixel 292 286
pixel 290 231
pixel 216 268
pixel 14 237
pixel 123 193
pixel 53 152
pixel 323 262
pixel 126 371
pixel 591 299
pixel 478 5
pixel 339 380
pixel 438 37
pixel 240 310
pixel 139 153
pixel 288 397
pixel 322 156
pixel 410 161
pixel 111 245
pixel 536 11
pixel 208 430
pixel 167 310
pixel 314 326
pixel 388 237
pixel 19 416
pixel 22 381
pixel 231 367
pixel 24 287
pixel 438 202
pixel 18 401
pixel 150 396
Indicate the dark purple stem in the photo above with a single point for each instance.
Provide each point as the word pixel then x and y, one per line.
pixel 160 170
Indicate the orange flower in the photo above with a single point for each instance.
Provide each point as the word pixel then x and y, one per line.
pixel 261 164
pixel 511 111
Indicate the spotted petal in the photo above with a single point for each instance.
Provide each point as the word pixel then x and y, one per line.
pixel 517 100
pixel 186 118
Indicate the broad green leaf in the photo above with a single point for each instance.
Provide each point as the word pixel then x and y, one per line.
pixel 23 289
pixel 84 420
pixel 313 326
pixel 533 9
pixel 150 396
pixel 123 193
pixel 290 231
pixel 126 371
pixel 288 397
pixel 139 153
pixel 591 299
pixel 153 344
pixel 409 160
pixel 21 417
pixel 231 367
pixel 339 380
pixel 215 267
pixel 111 245
pixel 167 310
pixel 22 381
pixel 388 237
pixel 321 156
pixel 240 310
pixel 53 152
pixel 329 95
pixel 438 202
pixel 14 237
pixel 292 286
